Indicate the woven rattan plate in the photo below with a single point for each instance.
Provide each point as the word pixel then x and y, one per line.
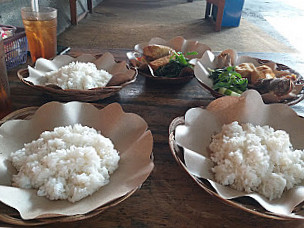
pixel 244 203
pixel 12 216
pixel 280 67
pixel 56 93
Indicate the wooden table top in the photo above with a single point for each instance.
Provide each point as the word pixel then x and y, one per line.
pixel 169 197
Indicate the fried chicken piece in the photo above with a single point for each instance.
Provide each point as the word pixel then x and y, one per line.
pixel 246 70
pixel 152 52
pixel 253 74
pixel 155 64
pixel 226 58
pixel 262 72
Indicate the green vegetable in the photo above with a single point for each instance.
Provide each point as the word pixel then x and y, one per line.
pixel 170 70
pixel 179 57
pixel 228 78
pixel 176 64
pixel 228 92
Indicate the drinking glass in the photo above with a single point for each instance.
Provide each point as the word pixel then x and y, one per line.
pixel 41 31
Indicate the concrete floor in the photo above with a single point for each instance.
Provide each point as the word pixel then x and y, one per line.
pixel 265 25
pixel 281 19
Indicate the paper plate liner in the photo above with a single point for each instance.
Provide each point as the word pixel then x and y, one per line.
pixel 13 217
pixel 56 93
pixel 10 215
pixel 244 203
pixel 178 43
pixel 280 67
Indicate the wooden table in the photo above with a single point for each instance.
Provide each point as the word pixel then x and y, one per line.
pixel 169 197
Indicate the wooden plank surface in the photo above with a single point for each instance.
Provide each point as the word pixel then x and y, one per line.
pixel 169 197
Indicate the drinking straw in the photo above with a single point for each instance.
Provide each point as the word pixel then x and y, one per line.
pixel 35 6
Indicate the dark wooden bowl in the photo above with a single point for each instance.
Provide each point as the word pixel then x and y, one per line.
pixel 167 80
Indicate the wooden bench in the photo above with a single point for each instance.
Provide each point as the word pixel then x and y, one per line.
pixel 73 9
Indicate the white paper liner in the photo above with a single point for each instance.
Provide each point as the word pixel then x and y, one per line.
pixel 200 124
pixel 178 43
pixel 105 62
pixel 209 61
pixel 127 131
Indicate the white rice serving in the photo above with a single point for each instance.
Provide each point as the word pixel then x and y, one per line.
pixel 69 162
pixel 256 159
pixel 78 75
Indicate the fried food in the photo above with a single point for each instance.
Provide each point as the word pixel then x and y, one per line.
pixel 160 60
pixel 155 51
pixel 155 64
pixel 278 86
pixel 254 74
pixel 246 69
pixel 226 58
pixel 262 72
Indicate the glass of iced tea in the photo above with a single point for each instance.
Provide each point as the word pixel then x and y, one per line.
pixel 41 31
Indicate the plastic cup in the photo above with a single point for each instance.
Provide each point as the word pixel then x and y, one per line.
pixel 41 31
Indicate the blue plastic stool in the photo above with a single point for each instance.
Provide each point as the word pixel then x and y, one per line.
pixel 224 12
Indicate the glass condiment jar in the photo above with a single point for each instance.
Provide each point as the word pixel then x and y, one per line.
pixel 5 104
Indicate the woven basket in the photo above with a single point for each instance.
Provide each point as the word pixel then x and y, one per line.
pixel 280 67
pixel 12 216
pixel 56 93
pixel 245 203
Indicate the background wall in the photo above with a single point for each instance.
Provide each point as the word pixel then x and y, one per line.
pixel 10 11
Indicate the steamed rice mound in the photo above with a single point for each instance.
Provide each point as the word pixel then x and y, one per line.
pixel 69 162
pixel 78 75
pixel 256 159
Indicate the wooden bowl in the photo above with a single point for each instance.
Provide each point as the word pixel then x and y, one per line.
pixel 179 44
pixel 167 80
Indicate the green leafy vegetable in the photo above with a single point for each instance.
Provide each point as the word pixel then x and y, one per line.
pixel 228 78
pixel 176 64
pixel 179 57
pixel 170 70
